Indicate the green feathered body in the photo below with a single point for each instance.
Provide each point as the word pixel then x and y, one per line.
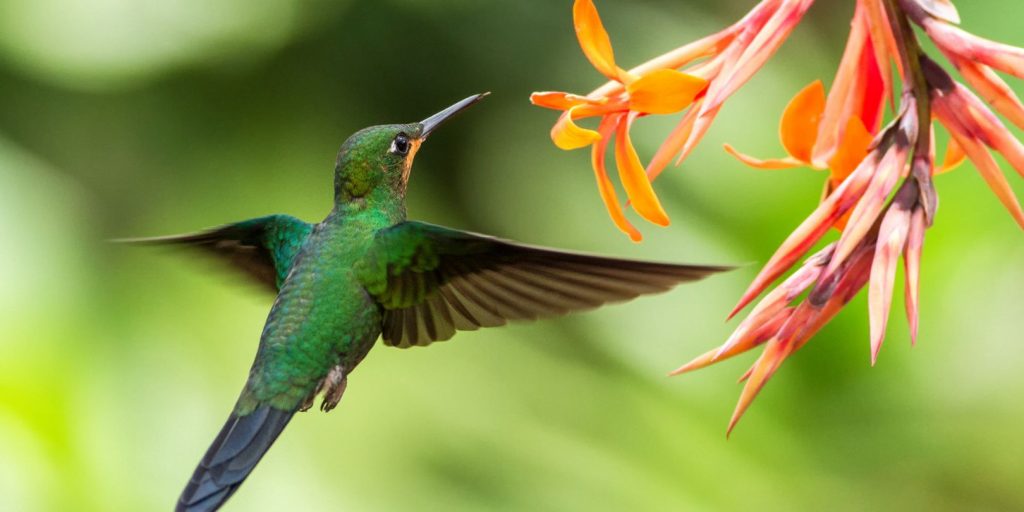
pixel 323 317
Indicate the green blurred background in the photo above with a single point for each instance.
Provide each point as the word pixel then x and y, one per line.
pixel 129 118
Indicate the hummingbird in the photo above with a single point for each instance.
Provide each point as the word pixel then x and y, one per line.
pixel 365 273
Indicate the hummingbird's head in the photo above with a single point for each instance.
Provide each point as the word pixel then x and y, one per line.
pixel 379 158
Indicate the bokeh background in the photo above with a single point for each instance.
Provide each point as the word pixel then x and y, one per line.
pixel 118 365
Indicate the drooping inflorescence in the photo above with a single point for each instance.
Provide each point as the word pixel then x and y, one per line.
pixel 879 195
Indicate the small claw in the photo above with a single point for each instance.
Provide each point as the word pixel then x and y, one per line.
pixel 307 402
pixel 335 383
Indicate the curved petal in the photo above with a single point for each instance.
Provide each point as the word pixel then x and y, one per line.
pixel 634 178
pixel 949 38
pixel 561 100
pixel 568 135
pixel 955 156
pixel 846 96
pixel 831 185
pixel 993 89
pixel 989 170
pixel 756 51
pixel 674 142
pixel 872 90
pixel 852 149
pixel 912 265
pixel 798 129
pixel 883 45
pixel 892 238
pixel 594 41
pixel 604 184
pixel 869 206
pixel 770 164
pixel 745 341
pixel 665 91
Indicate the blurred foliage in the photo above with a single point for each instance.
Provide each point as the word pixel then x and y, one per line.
pixel 122 118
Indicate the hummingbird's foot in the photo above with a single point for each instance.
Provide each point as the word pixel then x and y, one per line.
pixel 308 401
pixel 334 385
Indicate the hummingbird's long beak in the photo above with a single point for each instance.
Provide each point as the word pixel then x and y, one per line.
pixel 431 123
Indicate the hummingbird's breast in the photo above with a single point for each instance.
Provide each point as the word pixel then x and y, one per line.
pixel 322 316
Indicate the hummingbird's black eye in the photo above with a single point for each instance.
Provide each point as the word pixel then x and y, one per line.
pixel 401 145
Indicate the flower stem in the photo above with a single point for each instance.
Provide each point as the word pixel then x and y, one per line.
pixel 916 86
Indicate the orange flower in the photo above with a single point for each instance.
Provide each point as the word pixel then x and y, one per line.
pixel 712 69
pixel 798 131
pixel 880 192
pixel 658 91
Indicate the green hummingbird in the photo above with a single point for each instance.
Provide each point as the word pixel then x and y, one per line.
pixel 365 272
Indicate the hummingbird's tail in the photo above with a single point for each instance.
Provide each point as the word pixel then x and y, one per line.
pixel 232 456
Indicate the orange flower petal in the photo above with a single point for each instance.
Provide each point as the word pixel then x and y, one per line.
pixel 676 59
pixel 594 41
pixel 568 135
pixel 665 91
pixel 634 178
pixel 798 128
pixel 852 149
pixel 954 157
pixel 769 164
pixel 604 184
pixel 561 100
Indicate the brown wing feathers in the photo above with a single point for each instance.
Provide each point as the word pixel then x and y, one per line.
pixel 512 282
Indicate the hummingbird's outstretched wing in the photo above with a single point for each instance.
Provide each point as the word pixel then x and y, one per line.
pixel 262 248
pixel 433 280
